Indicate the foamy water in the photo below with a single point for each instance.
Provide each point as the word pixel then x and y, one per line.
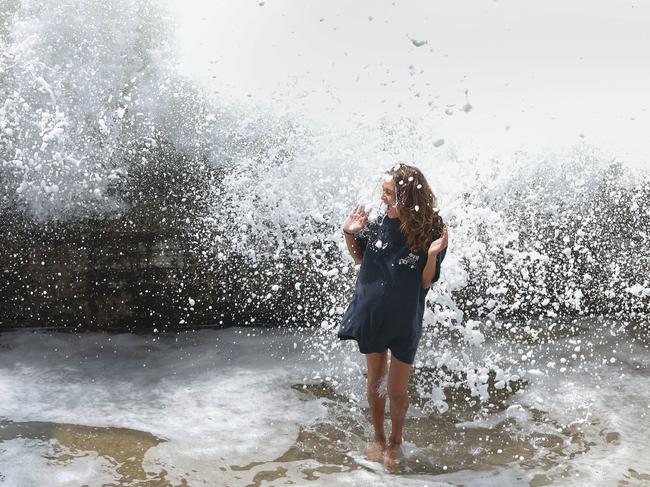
pixel 240 406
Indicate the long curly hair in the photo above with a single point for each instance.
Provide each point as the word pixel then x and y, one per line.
pixel 418 207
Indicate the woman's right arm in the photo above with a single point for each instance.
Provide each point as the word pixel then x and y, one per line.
pixel 353 224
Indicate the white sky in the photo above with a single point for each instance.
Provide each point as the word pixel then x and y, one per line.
pixel 549 70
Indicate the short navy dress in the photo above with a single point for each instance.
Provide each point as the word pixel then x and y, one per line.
pixel 388 303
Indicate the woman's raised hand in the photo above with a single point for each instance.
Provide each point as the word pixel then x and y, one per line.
pixel 438 245
pixel 356 220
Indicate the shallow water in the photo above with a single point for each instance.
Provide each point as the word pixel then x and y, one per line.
pixel 243 407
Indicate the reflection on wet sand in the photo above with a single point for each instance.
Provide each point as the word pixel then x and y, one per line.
pixel 435 445
pixel 123 448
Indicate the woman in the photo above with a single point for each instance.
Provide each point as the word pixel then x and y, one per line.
pixel 400 256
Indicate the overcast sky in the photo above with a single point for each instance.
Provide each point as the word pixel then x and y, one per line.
pixel 539 74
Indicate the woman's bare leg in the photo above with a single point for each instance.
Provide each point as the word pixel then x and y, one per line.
pixel 377 369
pixel 398 378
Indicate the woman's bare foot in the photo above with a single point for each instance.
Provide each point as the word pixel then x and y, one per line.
pixel 393 454
pixel 375 450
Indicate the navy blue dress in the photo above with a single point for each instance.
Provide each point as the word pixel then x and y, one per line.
pixel 388 303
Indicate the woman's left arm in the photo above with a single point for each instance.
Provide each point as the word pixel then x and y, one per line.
pixel 435 248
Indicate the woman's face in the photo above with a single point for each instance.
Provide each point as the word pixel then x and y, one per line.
pixel 389 197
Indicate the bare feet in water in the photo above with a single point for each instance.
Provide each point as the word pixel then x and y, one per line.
pixel 375 451
pixel 393 454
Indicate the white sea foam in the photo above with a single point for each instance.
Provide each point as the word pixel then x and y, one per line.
pixel 195 395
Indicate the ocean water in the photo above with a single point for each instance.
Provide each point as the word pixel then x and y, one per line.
pixel 253 406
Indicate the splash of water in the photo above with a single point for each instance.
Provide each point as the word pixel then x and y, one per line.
pixel 88 106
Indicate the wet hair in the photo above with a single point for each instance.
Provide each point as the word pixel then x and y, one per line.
pixel 418 207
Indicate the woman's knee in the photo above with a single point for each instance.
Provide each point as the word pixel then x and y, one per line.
pixel 378 385
pixel 398 381
pixel 398 396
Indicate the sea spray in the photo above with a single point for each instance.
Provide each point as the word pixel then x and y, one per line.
pixel 510 222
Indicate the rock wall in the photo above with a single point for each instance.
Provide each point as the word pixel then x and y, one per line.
pixel 102 273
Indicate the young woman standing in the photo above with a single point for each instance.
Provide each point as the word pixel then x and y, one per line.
pixel 400 256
